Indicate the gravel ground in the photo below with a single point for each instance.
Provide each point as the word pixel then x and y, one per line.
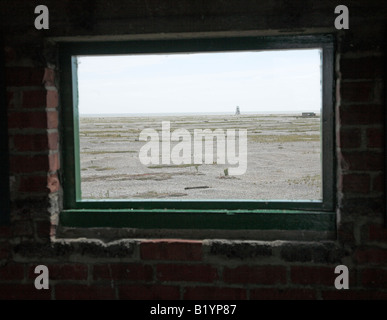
pixel 283 160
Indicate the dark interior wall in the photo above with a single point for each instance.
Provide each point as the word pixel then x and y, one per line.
pixel 184 269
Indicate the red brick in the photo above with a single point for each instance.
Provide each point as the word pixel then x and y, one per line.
pixel 171 250
pixel 43 228
pixel 371 255
pixel 14 99
pixel 357 91
pixel 368 161
pixel 53 183
pixel 16 291
pixel 33 184
pixel 52 99
pixel 53 160
pixel 4 250
pixel 53 139
pixel 356 183
pixel 282 294
pixel 35 99
pixel 83 292
pixel 29 164
pixel 361 68
pixel 27 120
pixel 214 293
pixel 12 272
pixel 369 114
pixel 186 272
pixel 49 77
pixel 374 278
pixel 353 295
pixel 52 120
pixel 22 228
pixel 377 233
pixel 345 232
pixel 375 138
pixel 313 275
pixel 38 142
pixel 349 138
pixel 149 292
pixel 24 76
pixel 131 271
pixel 62 272
pixel 259 274
pixel 5 232
pixel 378 183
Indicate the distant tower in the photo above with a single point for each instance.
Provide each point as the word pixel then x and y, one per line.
pixel 237 112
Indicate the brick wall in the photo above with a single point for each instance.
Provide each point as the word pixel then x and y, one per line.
pixel 187 269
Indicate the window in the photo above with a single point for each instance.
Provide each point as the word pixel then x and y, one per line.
pixel 175 169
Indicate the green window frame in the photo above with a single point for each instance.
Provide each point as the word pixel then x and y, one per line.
pixel 194 214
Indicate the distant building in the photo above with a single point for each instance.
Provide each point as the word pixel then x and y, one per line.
pixel 237 111
pixel 308 114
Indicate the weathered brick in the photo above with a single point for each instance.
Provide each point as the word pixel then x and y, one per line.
pixel 377 233
pixel 49 77
pixel 12 271
pixel 214 293
pixel 282 294
pixel 349 138
pixel 53 139
pixel 371 255
pixel 124 271
pixel 29 164
pixel 54 163
pixel 374 278
pixel 352 294
pixel 368 161
pixel 17 291
pixel 83 292
pixel 186 250
pixel 43 228
pixel 24 76
pixel 35 99
pixel 186 272
pixel 62 271
pixel 362 68
pixel 240 249
pixel 256 275
pixel 375 138
pixel 52 119
pixel 52 99
pixel 22 228
pixel 357 91
pixel 378 183
pixel 38 142
pixel 312 275
pixel 5 250
pixel 369 114
pixel 27 120
pixel 33 184
pixel 14 99
pixel 53 182
pixel 355 183
pixel 149 292
pixel 5 231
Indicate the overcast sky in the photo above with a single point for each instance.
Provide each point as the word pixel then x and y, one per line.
pixel 269 81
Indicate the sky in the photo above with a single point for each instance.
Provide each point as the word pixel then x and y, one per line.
pixel 256 81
